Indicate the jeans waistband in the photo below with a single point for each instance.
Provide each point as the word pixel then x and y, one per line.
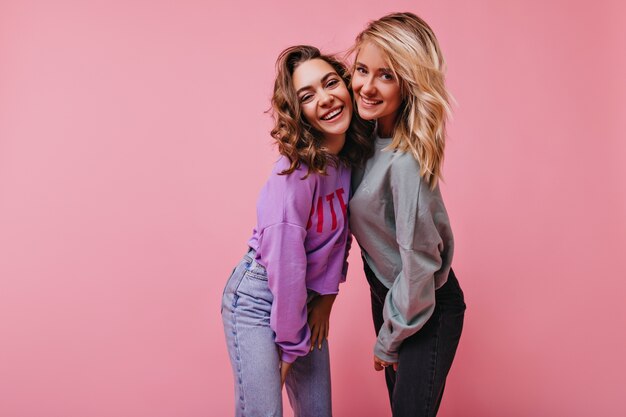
pixel 451 286
pixel 253 265
pixel 250 255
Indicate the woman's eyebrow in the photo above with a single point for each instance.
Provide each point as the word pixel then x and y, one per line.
pixel 324 78
pixel 360 64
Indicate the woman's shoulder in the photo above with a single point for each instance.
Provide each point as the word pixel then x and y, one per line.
pixel 404 166
pixel 405 172
pixel 290 183
pixel 284 163
pixel 286 197
pixel 301 173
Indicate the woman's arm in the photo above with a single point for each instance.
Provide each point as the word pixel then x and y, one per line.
pixel 319 318
pixel 282 249
pixel 425 243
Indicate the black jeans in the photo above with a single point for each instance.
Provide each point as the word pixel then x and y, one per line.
pixel 425 358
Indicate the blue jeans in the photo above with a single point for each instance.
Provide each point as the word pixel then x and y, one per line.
pixel 254 356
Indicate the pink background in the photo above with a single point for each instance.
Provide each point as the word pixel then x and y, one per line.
pixel 133 144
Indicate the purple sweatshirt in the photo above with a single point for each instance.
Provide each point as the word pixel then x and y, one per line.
pixel 301 240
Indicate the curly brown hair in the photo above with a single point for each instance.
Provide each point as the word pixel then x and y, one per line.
pixel 296 138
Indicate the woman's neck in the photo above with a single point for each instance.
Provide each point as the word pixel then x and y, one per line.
pixel 385 126
pixel 334 143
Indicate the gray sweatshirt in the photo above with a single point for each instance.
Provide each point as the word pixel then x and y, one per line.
pixel 404 233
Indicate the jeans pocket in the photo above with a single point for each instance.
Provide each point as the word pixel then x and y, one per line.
pixel 255 286
pixel 229 283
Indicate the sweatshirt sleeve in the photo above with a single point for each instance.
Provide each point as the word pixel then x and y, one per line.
pixel 282 246
pixel 425 243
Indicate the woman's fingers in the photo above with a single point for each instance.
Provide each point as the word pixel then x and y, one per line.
pixel 315 331
pixel 322 335
pixel 284 368
pixel 319 332
pixel 380 364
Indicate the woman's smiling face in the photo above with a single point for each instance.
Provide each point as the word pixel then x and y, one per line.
pixel 376 89
pixel 324 98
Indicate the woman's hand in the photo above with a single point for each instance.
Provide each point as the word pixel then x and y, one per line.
pixel 380 364
pixel 319 316
pixel 284 368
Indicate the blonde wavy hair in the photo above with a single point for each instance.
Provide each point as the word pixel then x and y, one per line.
pixel 296 138
pixel 414 55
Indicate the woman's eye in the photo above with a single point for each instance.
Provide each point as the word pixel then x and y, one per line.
pixel 361 70
pixel 387 77
pixel 332 83
pixel 305 98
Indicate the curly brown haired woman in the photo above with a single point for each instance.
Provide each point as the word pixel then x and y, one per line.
pixel 277 302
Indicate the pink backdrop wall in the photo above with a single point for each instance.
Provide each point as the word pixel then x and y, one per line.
pixel 133 144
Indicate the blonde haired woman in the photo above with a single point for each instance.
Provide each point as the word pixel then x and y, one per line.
pixel 398 216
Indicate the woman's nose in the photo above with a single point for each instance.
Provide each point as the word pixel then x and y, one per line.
pixel 368 87
pixel 326 99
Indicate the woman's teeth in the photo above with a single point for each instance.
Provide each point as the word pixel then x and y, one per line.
pixel 370 102
pixel 332 114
